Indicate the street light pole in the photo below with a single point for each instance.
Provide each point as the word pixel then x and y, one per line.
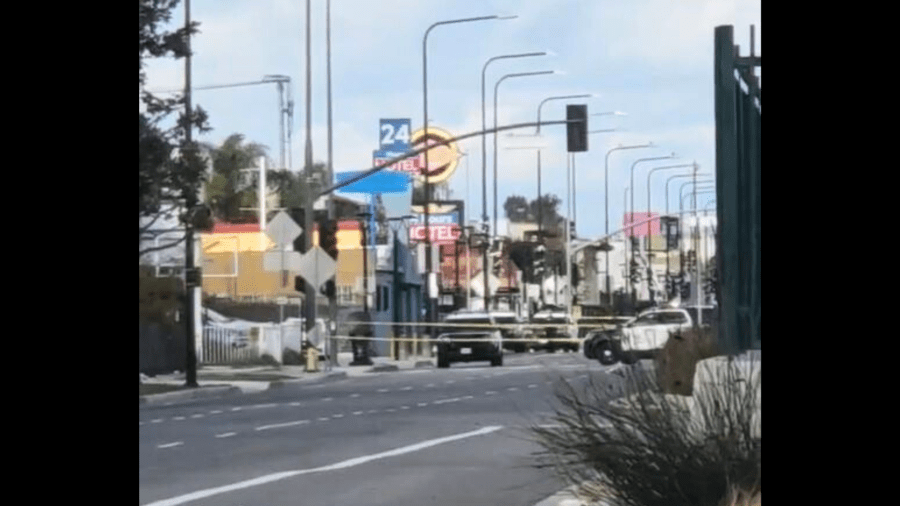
pixel 630 287
pixel 606 204
pixel 428 264
pixel 649 244
pixel 496 88
pixel 484 212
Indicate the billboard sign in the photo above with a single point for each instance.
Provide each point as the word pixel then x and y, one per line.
pixel 379 182
pixel 650 227
pixel 394 135
pixel 444 229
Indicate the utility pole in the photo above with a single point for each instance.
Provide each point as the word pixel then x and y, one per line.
pixel 332 297
pixel 309 195
pixel 191 277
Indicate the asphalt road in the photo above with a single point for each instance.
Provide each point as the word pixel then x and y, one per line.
pixel 433 436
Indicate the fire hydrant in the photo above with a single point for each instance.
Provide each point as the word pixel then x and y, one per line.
pixel 312 359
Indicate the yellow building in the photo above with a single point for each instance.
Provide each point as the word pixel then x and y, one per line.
pixel 232 261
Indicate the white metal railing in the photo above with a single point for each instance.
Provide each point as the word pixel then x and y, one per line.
pixel 227 346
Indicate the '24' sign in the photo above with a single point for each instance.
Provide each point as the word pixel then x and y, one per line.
pixel 394 135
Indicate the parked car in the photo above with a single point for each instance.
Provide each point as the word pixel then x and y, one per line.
pixel 469 337
pixel 516 337
pixel 556 329
pixel 604 344
pixel 647 334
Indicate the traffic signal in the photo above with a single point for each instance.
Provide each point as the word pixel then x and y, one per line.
pixel 328 289
pixel 635 272
pixel 299 284
pixel 328 237
pixel 298 214
pixel 575 275
pixel 671 229
pixel 685 290
pixel 577 130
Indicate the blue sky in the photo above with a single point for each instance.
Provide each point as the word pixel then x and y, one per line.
pixel 652 59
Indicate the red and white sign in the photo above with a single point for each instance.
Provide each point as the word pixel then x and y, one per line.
pixel 412 165
pixel 441 233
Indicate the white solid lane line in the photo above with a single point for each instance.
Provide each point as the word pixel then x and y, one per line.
pixel 280 425
pixel 201 494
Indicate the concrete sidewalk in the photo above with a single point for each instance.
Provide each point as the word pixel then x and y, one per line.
pixel 223 380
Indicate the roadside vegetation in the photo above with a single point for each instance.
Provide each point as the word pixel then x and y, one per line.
pixel 626 440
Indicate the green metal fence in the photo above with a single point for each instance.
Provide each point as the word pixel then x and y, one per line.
pixel 738 177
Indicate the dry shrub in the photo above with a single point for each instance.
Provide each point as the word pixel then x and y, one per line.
pixel 677 361
pixel 649 448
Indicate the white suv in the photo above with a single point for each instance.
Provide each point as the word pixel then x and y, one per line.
pixel 647 334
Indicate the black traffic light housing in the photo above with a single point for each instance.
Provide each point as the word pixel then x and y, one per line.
pixel 328 237
pixel 576 128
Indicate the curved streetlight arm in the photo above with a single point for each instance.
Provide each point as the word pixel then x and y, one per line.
pixel 496 89
pixel 677 176
pixel 565 97
pixel 667 167
pixel 484 213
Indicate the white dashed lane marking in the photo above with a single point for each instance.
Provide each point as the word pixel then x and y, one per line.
pixel 280 425
pixel 171 445
pixel 227 434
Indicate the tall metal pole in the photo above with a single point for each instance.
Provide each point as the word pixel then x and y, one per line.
pixel 606 205
pixel 496 88
pixel 190 198
pixel 428 263
pixel 484 213
pixel 281 160
pixel 649 245
pixel 310 288
pixel 568 239
pixel 633 289
pixel 677 176
pixel 332 297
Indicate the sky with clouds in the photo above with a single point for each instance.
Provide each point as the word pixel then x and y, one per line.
pixel 652 59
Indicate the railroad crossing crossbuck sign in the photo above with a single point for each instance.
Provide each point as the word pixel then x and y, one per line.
pixel 282 230
pixel 317 266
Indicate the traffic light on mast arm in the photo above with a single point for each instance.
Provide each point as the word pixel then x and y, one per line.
pixel 577 130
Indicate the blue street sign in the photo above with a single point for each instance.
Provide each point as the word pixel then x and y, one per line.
pixel 393 134
pixel 381 182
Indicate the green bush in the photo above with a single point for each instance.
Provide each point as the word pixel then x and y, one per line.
pixel 648 448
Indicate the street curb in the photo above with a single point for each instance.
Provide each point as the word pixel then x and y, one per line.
pixel 183 395
pixel 384 368
pixel 424 364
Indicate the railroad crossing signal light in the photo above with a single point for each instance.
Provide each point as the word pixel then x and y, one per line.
pixel 539 260
pixel 576 131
